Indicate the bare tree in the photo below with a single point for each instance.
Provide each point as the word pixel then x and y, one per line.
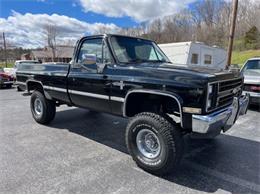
pixel 51 31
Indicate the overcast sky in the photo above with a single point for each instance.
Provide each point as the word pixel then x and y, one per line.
pixel 23 20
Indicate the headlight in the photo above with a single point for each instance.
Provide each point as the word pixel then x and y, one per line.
pixel 210 89
pixel 209 97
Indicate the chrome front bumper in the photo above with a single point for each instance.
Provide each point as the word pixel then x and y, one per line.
pixel 222 119
pixel 252 94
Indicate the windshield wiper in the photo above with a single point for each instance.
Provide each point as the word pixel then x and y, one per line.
pixel 136 61
pixel 143 60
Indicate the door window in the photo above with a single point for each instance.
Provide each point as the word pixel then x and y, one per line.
pixel 95 47
pixel 91 47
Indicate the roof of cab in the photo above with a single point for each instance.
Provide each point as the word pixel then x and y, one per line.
pixel 110 35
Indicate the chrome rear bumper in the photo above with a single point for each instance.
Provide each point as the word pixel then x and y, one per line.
pixel 222 119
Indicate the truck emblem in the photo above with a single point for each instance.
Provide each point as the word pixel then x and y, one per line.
pixel 120 84
pixel 235 90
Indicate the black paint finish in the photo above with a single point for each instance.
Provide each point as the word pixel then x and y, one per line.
pixel 188 84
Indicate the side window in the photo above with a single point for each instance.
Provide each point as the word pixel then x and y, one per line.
pixel 195 58
pixel 106 55
pixel 91 47
pixel 207 59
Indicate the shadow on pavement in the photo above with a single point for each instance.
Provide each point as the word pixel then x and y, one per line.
pixel 228 163
pixel 254 108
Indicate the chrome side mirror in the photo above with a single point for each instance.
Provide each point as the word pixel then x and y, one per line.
pixel 89 59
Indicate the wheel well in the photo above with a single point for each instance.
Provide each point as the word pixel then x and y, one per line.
pixel 32 85
pixel 146 102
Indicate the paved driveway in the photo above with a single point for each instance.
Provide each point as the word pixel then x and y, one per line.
pixel 84 152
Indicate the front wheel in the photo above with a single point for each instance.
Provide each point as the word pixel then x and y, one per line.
pixel 43 110
pixel 155 144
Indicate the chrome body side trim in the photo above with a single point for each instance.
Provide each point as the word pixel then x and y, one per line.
pixel 105 97
pixel 94 95
pixel 55 88
pixel 222 119
pixel 118 99
pixel 155 93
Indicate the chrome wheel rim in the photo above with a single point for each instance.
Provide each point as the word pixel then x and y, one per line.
pixel 38 107
pixel 148 143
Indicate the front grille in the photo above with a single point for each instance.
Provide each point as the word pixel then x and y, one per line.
pixel 225 91
pixel 229 85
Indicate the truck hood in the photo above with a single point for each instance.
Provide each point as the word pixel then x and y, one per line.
pixel 196 69
pixel 172 74
pixel 212 74
pixel 252 79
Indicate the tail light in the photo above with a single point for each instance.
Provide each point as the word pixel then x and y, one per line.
pixel 4 75
pixel 255 88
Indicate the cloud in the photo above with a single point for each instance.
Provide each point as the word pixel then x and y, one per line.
pixel 28 30
pixel 139 10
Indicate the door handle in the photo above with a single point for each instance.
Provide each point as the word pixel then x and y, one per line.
pixel 105 76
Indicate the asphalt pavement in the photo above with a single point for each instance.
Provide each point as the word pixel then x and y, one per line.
pixel 84 152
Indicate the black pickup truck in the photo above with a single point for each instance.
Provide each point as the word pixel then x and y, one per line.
pixel 131 77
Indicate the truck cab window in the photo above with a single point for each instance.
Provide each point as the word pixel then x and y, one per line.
pixel 91 46
pixel 195 58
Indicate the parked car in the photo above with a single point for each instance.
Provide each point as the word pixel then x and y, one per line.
pixel 10 71
pixel 251 71
pixel 6 80
pixel 131 77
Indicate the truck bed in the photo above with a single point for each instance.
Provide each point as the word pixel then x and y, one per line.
pixel 49 75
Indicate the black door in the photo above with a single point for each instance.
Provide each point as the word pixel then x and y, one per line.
pixel 87 87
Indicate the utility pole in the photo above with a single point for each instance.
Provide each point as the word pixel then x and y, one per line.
pixel 5 50
pixel 232 32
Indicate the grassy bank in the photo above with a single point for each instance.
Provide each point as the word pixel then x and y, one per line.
pixel 9 65
pixel 240 57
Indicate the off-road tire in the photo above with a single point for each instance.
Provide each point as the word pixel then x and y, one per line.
pixel 48 108
pixel 170 139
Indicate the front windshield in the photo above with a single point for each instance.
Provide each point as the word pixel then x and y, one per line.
pixel 252 67
pixel 134 50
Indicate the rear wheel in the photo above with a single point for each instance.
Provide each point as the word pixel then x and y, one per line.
pixel 155 144
pixel 43 110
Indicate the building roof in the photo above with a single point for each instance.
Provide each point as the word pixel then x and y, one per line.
pixel 61 52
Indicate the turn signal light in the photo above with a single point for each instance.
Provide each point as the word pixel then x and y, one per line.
pixel 192 110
